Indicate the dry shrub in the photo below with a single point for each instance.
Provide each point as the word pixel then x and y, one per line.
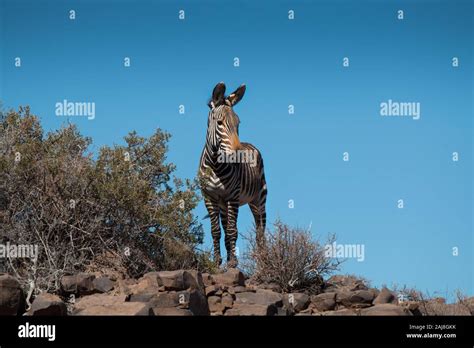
pixel 77 207
pixel 431 305
pixel 290 258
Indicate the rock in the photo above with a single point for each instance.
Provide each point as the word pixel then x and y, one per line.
pixel 181 280
pixel 282 312
pixel 374 291
pixel 238 289
pixel 386 296
pixel 146 287
pixel 362 296
pixel 227 300
pixel 103 284
pixel 144 297
pixel 211 290
pixel 167 299
pixel 215 304
pixel 261 297
pixel 193 300
pixel 11 296
pixel 324 302
pixel 98 300
pixel 78 284
pixel 172 280
pixel 296 301
pixel 358 298
pixel 125 308
pixel 386 309
pixel 172 311
pixel 233 277
pixel 197 303
pixel 48 304
pixel 193 280
pixel 340 312
pixel 251 309
pixel 126 286
pixel 207 279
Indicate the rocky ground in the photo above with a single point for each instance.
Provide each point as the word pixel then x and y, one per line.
pixel 187 293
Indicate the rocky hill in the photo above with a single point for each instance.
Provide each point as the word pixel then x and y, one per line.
pixel 187 293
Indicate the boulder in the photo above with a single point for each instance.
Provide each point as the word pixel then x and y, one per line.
pixel 78 284
pixel 233 277
pixel 197 303
pixel 227 300
pixel 260 297
pixel 340 312
pixel 324 302
pixel 48 304
pixel 98 300
pixel 172 311
pixel 358 298
pixel 251 310
pixel 237 289
pixel 215 304
pixel 167 299
pixel 124 308
pixel 296 301
pixel 207 279
pixel 193 300
pixel 146 287
pixel 385 296
pixel 181 280
pixel 12 300
pixel 126 286
pixel 282 312
pixel 194 280
pixel 386 309
pixel 211 290
pixel 103 284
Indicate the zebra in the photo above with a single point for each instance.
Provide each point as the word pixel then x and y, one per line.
pixel 226 182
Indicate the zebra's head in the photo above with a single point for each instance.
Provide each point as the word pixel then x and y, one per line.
pixel 223 122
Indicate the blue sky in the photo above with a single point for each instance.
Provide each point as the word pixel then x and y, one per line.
pixel 282 62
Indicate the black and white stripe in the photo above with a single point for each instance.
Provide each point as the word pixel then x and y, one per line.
pixel 226 186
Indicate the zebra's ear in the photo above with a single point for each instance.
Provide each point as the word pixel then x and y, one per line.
pixel 235 96
pixel 217 95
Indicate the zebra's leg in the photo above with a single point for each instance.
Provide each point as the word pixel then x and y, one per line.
pixel 213 210
pixel 259 214
pixel 231 232
pixel 223 214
